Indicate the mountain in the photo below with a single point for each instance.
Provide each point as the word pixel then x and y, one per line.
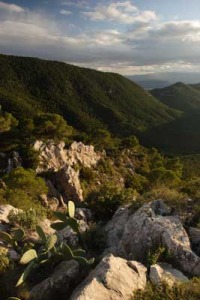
pixel 179 96
pixel 164 79
pixel 88 99
pixel 183 134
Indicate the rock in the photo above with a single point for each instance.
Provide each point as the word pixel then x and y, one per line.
pixel 83 154
pixel 114 278
pixel 53 203
pixel 14 161
pixel 59 284
pixel 84 214
pixel 194 234
pixel 53 156
pixel 46 226
pixel 115 228
pixel 68 180
pixel 69 236
pixel 148 228
pixel 13 255
pixel 164 272
pixel 5 211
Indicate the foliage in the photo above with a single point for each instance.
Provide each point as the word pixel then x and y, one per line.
pixel 105 201
pixel 28 218
pixel 4 260
pixel 7 122
pixel 23 189
pixel 189 290
pixel 89 100
pixel 51 126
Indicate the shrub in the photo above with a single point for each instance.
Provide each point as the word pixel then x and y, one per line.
pixel 4 260
pixel 27 219
pixel 107 199
pixel 189 290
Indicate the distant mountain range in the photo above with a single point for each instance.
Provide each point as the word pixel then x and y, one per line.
pixel 164 79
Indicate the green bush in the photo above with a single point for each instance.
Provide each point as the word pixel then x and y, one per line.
pixel 189 290
pixel 107 199
pixel 27 219
pixel 4 260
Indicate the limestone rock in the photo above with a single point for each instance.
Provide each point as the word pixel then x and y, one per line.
pixel 59 284
pixel 164 272
pixel 68 180
pixel 113 279
pixel 5 211
pixel 53 156
pixel 115 228
pixel 148 228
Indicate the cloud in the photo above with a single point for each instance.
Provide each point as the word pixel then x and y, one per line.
pixel 11 7
pixel 141 47
pixel 65 12
pixel 123 12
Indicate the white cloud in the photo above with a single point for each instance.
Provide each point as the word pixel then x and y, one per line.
pixel 11 7
pixel 123 12
pixel 65 12
pixel 143 47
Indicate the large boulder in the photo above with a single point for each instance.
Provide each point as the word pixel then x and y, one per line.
pixel 164 272
pixel 148 228
pixel 59 284
pixel 113 279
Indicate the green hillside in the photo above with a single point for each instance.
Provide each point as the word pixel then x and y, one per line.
pixel 183 134
pixel 88 99
pixel 179 96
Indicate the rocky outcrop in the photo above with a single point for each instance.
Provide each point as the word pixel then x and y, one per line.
pixel 148 228
pixel 5 211
pixel 62 162
pixel 59 284
pixel 113 279
pixel 68 181
pixel 54 156
pixel 164 272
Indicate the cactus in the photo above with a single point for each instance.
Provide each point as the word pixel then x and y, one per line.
pixel 51 241
pixel 71 209
pixel 18 235
pixel 67 219
pixel 50 250
pixel 28 256
pixel 41 234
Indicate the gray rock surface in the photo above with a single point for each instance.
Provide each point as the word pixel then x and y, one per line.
pixel 164 272
pixel 59 284
pixel 194 234
pixel 113 279
pixel 69 183
pixel 149 227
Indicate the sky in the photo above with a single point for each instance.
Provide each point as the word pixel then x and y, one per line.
pixel 127 37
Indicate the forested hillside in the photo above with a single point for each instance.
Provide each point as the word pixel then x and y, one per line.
pixel 88 99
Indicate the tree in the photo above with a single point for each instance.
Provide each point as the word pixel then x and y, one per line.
pixel 51 126
pixel 7 121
